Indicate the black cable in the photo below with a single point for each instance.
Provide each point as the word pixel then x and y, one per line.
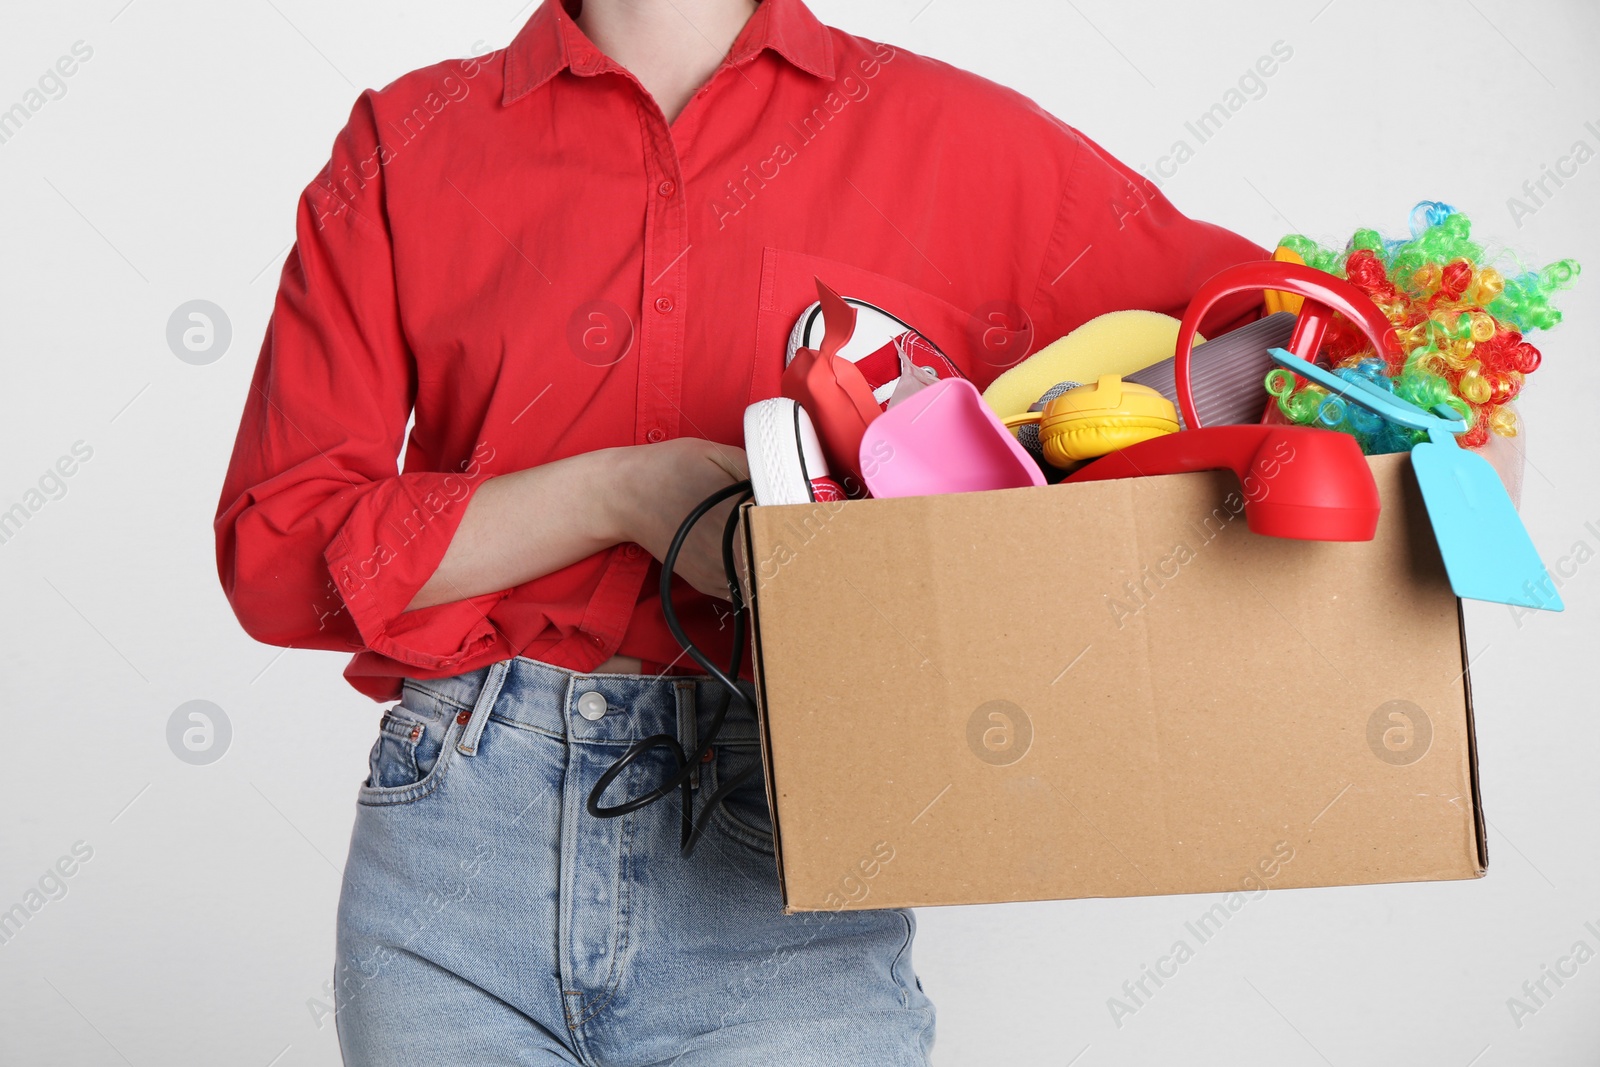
pixel 692 828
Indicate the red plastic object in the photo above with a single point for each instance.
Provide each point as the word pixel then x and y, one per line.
pixel 832 389
pixel 1297 481
pixel 1324 294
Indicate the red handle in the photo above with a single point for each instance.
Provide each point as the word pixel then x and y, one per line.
pixel 1324 294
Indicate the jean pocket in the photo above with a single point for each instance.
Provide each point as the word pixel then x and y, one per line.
pixel 743 814
pixel 409 756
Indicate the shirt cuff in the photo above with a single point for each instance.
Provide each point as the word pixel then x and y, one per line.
pixel 387 550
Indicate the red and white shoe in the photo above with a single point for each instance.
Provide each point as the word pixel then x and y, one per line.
pixel 874 347
pixel 786 462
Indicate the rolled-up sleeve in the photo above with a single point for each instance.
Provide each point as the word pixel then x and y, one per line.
pixel 321 542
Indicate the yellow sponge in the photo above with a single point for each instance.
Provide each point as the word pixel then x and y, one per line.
pixel 1119 342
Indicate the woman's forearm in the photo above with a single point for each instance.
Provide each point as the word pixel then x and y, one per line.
pixel 522 526
pixel 526 525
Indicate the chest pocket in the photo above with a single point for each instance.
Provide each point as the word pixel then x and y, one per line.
pixel 789 287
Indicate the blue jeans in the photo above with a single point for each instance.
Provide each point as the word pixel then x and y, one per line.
pixel 488 919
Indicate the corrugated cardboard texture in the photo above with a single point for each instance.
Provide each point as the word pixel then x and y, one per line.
pixel 1107 689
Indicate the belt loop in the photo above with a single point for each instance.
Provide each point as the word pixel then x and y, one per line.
pixel 688 726
pixel 492 683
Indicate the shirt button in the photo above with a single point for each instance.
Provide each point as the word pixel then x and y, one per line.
pixel 666 188
pixel 664 304
pixel 592 706
pixel 631 551
pixel 656 436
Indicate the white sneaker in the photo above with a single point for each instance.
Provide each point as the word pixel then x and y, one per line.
pixel 786 462
pixel 874 347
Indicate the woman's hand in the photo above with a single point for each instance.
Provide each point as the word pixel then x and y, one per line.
pixel 660 484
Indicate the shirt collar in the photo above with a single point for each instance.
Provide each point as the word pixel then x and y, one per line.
pixel 552 42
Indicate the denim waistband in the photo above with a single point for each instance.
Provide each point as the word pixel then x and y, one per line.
pixel 540 696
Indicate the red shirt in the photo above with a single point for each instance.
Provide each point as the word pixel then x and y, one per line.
pixel 522 252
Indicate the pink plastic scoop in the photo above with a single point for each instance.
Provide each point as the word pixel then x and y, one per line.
pixel 943 439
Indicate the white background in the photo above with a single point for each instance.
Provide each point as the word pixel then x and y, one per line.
pixel 201 931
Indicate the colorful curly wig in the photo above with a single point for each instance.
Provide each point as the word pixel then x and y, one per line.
pixel 1459 320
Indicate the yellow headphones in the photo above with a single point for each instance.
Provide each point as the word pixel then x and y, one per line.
pixel 1093 420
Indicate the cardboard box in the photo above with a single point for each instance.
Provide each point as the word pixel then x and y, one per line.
pixel 1106 689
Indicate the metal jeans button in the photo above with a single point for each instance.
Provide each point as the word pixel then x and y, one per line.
pixel 592 706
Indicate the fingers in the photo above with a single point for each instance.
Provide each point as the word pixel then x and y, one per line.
pixel 733 461
pixel 702 563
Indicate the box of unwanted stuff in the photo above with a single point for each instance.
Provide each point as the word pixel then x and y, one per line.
pixel 1106 689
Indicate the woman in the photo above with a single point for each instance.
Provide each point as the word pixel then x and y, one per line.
pixel 573 263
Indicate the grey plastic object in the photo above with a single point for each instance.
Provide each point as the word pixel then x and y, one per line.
pixel 1227 373
pixel 1028 434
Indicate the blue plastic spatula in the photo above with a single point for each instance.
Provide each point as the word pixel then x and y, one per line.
pixel 1487 551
